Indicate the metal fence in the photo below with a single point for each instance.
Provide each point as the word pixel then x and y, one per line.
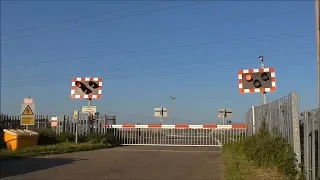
pixel 281 115
pixel 172 135
pixel 310 121
pixel 159 135
pixel 65 123
pixel 300 130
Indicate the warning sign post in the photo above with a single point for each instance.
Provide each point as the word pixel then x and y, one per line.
pixel 27 114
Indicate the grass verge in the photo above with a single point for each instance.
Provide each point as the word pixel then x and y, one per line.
pixel 238 167
pixel 265 155
pixel 60 148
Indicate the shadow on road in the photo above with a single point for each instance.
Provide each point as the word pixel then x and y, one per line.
pixel 28 165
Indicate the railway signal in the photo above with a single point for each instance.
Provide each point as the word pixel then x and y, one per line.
pixel 257 80
pixel 86 88
pixel 83 87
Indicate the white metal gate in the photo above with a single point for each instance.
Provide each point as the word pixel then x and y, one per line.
pixel 178 135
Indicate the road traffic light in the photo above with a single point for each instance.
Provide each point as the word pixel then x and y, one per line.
pixel 257 80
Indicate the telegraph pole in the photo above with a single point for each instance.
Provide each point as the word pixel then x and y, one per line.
pixel 173 98
pixel 317 7
pixel 264 94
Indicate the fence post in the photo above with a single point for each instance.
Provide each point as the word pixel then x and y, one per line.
pixel 295 125
pixel 253 122
pixel 38 126
pixel 318 121
pixel 313 146
pixel 306 144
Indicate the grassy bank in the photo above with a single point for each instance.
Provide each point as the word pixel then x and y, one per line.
pixel 51 143
pixel 60 148
pixel 265 156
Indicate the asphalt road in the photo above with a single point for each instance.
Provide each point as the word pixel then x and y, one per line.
pixel 128 162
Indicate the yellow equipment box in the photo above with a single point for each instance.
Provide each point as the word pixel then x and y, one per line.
pixel 20 138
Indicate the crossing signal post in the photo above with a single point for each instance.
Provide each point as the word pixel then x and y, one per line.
pixel 263 94
pixel 86 88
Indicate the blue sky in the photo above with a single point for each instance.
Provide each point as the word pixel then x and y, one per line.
pixel 145 55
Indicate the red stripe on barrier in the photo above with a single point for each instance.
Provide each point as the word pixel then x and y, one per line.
pixel 128 126
pixel 210 126
pixel 239 126
pixel 182 126
pixel 154 126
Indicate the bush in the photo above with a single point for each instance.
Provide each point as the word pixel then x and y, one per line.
pixel 100 139
pixel 66 137
pixel 113 140
pixel 271 150
pixel 2 143
pixel 94 139
pixel 47 138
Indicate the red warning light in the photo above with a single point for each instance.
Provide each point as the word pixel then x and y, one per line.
pixel 78 84
pixel 248 77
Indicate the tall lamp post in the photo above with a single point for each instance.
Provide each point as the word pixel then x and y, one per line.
pixel 172 98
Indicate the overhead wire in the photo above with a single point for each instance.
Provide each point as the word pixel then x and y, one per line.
pixel 149 50
pixel 104 21
pixel 184 71
pixel 219 69
pixel 154 33
pixel 286 65
pixel 82 18
pixel 186 45
pixel 209 61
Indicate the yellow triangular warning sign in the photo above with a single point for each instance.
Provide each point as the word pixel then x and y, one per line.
pixel 28 111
